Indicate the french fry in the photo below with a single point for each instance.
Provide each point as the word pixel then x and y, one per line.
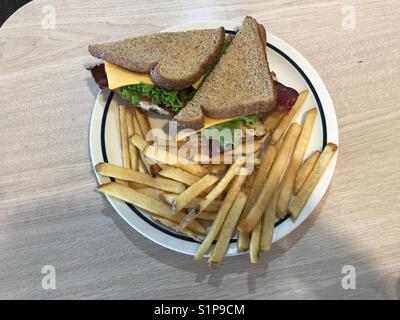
pixel 255 243
pixel 193 191
pixel 272 120
pixel 176 227
pixel 143 122
pixel 179 175
pixel 250 221
pixel 243 241
pixel 133 151
pixel 305 170
pixel 111 170
pixel 124 136
pixel 268 223
pixel 278 144
pixel 171 197
pixel 136 185
pixel 297 157
pixel 207 216
pixel 195 169
pixel 219 169
pixel 222 184
pixel 144 163
pixel 299 201
pixel 221 216
pixel 255 189
pixel 287 119
pixel 259 178
pixel 225 235
pixel 140 200
pixel 139 142
pixel 148 191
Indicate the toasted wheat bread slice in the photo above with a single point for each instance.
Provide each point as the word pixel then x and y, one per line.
pixel 239 84
pixel 174 60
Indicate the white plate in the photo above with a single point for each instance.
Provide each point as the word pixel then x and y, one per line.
pixel 291 68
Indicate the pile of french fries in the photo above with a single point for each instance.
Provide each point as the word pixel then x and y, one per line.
pixel 211 203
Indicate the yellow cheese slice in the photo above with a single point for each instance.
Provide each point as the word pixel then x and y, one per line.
pixel 197 84
pixel 119 77
pixel 209 122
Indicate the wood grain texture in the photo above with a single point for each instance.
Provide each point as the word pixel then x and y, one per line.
pixel 50 212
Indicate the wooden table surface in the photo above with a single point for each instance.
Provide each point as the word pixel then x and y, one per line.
pixel 50 213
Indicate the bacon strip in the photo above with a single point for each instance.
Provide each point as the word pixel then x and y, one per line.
pixel 99 74
pixel 286 97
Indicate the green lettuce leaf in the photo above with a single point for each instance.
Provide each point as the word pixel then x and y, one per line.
pixel 251 118
pixel 235 135
pixel 134 93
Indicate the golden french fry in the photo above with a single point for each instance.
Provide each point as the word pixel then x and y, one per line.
pixel 255 243
pixel 278 145
pixel 138 142
pixel 300 200
pixel 193 191
pixel 133 151
pixel 143 122
pixel 144 163
pixel 268 223
pixel 250 221
pixel 271 120
pixel 136 125
pixel 287 119
pixel 195 169
pixel 259 178
pixel 207 216
pixel 111 170
pixel 136 185
pixel 222 184
pixel 171 197
pixel 243 241
pixel 179 175
pixel 140 200
pixel 225 235
pixel 219 169
pixel 254 191
pixel 148 191
pixel 230 197
pixel 176 227
pixel 295 162
pixel 305 170
pixel 124 136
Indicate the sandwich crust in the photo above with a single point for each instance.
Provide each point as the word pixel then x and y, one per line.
pixel 239 84
pixel 174 60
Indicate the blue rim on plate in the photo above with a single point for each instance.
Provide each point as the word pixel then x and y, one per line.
pixel 182 237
